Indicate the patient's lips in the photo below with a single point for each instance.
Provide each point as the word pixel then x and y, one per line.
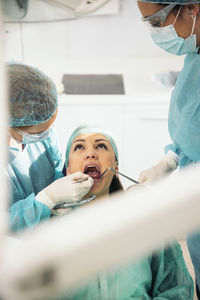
pixel 93 171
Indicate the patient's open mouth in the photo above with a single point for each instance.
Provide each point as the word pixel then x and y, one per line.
pixel 93 171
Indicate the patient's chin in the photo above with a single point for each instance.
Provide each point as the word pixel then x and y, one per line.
pixel 99 189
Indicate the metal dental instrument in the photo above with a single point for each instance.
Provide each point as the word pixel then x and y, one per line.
pixel 79 180
pixel 75 204
pixel 131 179
pixel 106 170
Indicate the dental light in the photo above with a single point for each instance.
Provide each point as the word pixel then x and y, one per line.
pixel 49 10
pixel 79 7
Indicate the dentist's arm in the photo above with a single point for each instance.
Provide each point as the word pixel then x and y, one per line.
pixel 65 190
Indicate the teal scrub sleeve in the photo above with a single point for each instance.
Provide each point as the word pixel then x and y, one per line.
pixel 27 213
pixel 184 160
pixel 172 147
pixel 170 277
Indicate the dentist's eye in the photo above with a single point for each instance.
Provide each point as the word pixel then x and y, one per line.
pixel 78 147
pixel 156 23
pixel 102 146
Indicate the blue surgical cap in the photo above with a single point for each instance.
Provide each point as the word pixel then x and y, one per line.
pixel 90 128
pixel 171 1
pixel 32 95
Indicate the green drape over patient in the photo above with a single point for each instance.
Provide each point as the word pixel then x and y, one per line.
pixel 161 276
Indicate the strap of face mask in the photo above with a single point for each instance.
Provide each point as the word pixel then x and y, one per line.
pixel 193 17
pixel 194 23
pixel 178 13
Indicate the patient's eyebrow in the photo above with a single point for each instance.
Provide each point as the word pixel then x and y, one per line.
pixel 99 140
pixel 96 141
pixel 81 140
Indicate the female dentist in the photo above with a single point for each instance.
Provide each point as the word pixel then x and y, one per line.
pixel 175 27
pixel 34 169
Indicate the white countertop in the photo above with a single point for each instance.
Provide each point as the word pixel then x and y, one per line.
pixel 112 99
pixel 137 74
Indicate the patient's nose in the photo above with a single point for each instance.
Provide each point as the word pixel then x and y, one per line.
pixel 91 154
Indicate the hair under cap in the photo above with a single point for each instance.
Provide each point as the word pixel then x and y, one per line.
pixel 171 1
pixel 32 95
pixel 90 128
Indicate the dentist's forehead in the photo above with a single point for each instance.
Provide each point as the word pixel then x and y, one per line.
pixel 148 9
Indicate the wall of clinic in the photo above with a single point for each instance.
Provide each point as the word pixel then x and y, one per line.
pixel 114 36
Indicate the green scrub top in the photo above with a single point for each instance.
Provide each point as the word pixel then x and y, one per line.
pixel 184 128
pixel 30 171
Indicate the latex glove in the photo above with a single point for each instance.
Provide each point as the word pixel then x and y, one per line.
pixel 60 211
pixel 65 190
pixel 136 187
pixel 165 166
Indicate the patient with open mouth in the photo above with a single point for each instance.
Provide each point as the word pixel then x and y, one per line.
pixel 92 150
pixel 160 275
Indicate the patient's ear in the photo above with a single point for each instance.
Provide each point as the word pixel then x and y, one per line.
pixel 116 167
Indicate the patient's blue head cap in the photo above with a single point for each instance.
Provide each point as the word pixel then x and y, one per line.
pixel 90 128
pixel 32 95
pixel 171 1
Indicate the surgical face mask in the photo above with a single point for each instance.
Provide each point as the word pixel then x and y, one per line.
pixel 167 39
pixel 28 138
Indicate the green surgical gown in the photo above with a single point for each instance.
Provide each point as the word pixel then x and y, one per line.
pixel 161 276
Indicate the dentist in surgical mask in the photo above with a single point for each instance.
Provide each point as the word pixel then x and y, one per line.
pixel 175 27
pixel 35 167
pixel 168 39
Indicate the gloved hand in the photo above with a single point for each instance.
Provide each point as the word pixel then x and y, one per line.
pixel 60 211
pixel 165 166
pixel 65 190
